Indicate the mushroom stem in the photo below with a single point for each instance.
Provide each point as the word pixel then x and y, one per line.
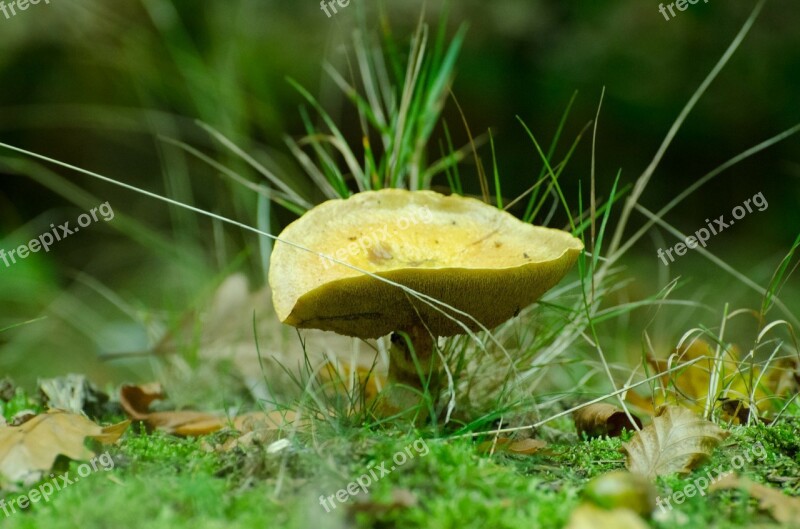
pixel 408 380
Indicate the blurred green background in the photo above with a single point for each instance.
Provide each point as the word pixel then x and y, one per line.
pixel 98 84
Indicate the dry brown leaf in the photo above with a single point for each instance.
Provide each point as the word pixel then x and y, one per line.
pixel 136 400
pixel 526 446
pixel 597 420
pixel 784 509
pixel 587 516
pixel 29 450
pixel 676 441
pixel 734 411
pixel 520 447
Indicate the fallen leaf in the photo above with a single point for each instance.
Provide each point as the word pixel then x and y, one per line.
pixel 29 450
pixel 642 403
pixel 136 400
pixel 519 447
pixel 526 446
pixel 784 509
pixel 587 516
pixel 691 386
pixel 598 420
pixel 676 441
pixel 734 411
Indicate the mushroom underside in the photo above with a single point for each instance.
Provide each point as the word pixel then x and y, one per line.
pixel 366 307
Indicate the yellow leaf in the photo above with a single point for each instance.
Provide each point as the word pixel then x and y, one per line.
pixel 692 386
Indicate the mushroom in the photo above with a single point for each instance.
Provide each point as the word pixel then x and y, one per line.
pixel 473 257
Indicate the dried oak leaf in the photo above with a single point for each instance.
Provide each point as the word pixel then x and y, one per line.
pixel 784 509
pixel 676 441
pixel 597 420
pixel 28 450
pixel 136 400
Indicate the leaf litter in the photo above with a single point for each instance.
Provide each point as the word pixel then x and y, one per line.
pixel 30 450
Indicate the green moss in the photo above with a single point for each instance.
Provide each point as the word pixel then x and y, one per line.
pixel 163 481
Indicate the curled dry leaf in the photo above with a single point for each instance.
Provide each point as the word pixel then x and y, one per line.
pixel 676 441
pixel 734 410
pixel 597 420
pixel 29 450
pixel 136 400
pixel 784 509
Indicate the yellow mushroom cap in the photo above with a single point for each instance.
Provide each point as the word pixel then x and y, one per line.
pixel 469 255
